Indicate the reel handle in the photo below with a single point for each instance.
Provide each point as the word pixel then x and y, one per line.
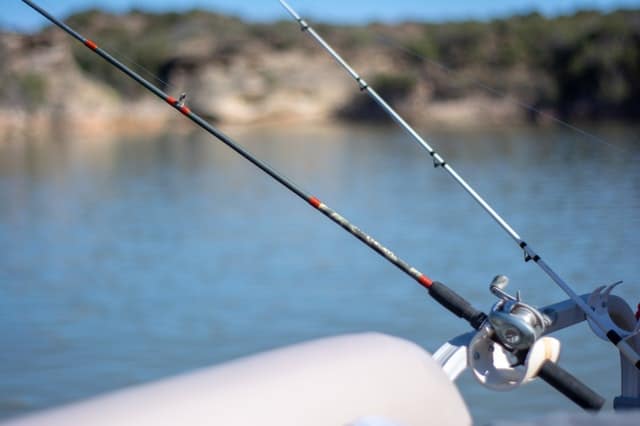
pixel 568 385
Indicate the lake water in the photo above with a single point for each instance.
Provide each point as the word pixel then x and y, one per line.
pixel 128 260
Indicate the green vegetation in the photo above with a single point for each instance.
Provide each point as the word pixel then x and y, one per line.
pixel 586 65
pixel 33 87
pixel 597 73
pixel 27 91
pixel 581 66
pixel 149 42
pixel 278 35
pixel 392 87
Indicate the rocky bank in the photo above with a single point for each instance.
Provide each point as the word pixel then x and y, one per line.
pixel 239 73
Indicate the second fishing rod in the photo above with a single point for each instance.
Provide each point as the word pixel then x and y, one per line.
pixel 449 299
pixel 529 254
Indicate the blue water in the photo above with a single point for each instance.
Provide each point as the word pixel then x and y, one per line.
pixel 127 260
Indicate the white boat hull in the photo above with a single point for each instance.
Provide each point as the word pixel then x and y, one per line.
pixel 361 379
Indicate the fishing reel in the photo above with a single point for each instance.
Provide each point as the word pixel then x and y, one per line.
pixel 509 349
pixel 516 325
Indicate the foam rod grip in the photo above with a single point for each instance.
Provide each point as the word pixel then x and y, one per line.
pixel 456 304
pixel 570 386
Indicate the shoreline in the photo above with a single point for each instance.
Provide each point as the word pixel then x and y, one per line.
pixel 152 117
pixel 239 73
pixel 39 127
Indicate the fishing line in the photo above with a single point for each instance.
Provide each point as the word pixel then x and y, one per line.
pixel 529 254
pixel 504 95
pixel 144 70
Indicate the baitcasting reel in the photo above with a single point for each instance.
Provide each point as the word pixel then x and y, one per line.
pixel 517 325
pixel 509 349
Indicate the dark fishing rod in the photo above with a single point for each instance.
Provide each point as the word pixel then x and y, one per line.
pixel 449 299
pixel 439 291
pixel 529 254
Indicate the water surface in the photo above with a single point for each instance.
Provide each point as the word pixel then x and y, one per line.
pixel 127 260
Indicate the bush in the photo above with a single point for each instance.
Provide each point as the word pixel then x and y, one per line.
pixel 33 90
pixel 393 88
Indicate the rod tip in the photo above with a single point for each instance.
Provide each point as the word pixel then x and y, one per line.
pixel 289 9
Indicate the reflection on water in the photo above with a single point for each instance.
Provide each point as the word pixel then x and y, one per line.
pixel 129 260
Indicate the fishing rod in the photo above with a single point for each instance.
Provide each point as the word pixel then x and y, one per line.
pixel 529 254
pixel 449 299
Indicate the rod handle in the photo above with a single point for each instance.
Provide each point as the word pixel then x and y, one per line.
pixel 568 385
pixel 457 304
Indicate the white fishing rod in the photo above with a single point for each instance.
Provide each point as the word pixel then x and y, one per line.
pixel 438 161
